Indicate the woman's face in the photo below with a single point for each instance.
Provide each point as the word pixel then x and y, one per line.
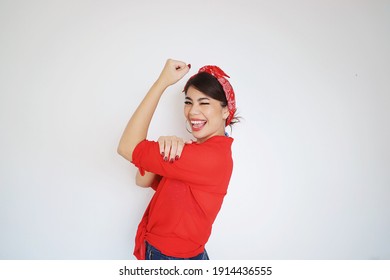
pixel 206 115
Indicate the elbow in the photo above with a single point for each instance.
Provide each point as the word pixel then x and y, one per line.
pixel 120 150
pixel 125 152
pixel 144 181
pixel 126 149
pixel 140 181
pixel 141 184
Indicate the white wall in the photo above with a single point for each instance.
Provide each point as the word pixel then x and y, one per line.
pixel 312 157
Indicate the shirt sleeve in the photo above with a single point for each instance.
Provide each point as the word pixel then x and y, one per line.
pixel 156 182
pixel 199 163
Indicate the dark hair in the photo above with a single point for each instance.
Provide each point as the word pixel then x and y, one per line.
pixel 210 86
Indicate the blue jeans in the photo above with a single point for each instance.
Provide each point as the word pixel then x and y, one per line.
pixel 152 253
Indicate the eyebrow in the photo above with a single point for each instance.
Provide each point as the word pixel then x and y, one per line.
pixel 199 100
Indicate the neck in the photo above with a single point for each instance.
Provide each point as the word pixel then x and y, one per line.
pixel 219 133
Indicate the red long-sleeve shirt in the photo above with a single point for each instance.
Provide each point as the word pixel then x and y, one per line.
pixel 188 195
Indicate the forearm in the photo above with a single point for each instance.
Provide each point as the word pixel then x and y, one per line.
pixel 138 125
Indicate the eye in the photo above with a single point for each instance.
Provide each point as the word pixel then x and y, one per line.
pixel 187 102
pixel 204 103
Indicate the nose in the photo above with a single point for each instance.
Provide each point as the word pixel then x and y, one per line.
pixel 194 110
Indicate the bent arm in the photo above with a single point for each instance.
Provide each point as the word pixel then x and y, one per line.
pixel 138 125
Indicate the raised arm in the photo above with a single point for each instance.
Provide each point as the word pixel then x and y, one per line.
pixel 138 125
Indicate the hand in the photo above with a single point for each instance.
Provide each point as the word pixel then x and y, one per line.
pixel 173 71
pixel 171 147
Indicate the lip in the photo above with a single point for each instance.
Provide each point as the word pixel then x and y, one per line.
pixel 197 124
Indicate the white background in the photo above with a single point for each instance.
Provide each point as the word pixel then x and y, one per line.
pixel 311 177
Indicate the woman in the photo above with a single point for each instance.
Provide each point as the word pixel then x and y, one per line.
pixel 190 180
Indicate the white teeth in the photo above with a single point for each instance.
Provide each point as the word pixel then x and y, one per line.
pixel 197 122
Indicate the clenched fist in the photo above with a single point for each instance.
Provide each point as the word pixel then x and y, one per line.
pixel 173 71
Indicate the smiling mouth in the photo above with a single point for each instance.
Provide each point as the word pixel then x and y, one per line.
pixel 197 124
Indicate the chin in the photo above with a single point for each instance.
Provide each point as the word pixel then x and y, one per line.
pixel 201 137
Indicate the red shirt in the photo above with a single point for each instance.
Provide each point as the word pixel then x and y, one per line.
pixel 188 197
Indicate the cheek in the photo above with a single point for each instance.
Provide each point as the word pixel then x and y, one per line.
pixel 186 110
pixel 214 112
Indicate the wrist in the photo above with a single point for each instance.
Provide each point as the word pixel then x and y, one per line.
pixel 161 84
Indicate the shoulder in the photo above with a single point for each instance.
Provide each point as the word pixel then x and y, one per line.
pixel 218 140
pixel 217 144
pixel 213 150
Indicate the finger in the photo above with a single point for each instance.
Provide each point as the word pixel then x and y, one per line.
pixel 173 152
pixel 161 145
pixel 190 141
pixel 179 64
pixel 182 71
pixel 179 150
pixel 182 66
pixel 167 148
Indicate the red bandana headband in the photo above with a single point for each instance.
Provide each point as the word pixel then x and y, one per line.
pixel 227 88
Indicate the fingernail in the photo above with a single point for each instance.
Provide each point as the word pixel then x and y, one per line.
pixel 162 153
pixel 189 66
pixel 177 157
pixel 165 158
pixel 171 160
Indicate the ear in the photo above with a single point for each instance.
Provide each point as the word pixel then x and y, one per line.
pixel 225 112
